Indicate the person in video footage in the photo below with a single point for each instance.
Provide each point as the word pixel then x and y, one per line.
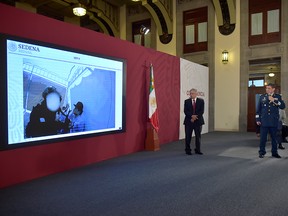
pixel 43 121
pixel 267 116
pixel 77 118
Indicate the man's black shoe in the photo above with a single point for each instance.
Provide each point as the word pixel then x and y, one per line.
pixel 281 146
pixel 276 155
pixel 261 156
pixel 188 153
pixel 198 152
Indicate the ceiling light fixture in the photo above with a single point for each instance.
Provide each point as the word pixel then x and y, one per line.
pixel 79 10
pixel 271 74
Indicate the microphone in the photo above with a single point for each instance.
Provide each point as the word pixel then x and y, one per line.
pixel 269 95
pixel 270 101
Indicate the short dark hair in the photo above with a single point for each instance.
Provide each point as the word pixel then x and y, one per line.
pixel 48 90
pixel 271 85
pixel 193 89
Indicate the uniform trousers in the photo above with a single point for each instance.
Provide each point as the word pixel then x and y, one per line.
pixel 263 139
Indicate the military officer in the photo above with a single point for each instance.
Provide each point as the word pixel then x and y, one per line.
pixel 267 117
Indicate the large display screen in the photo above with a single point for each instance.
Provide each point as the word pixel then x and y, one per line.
pixel 52 92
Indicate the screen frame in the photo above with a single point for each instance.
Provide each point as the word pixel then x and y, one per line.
pixel 4 145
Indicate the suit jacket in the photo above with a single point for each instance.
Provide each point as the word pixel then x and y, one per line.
pixel 199 110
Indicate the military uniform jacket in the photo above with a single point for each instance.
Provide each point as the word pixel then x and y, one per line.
pixel 268 112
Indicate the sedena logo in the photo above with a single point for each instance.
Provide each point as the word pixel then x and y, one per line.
pixel 12 46
pixel 22 48
pixel 28 47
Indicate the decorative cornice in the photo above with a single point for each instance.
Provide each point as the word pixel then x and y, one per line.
pixel 135 9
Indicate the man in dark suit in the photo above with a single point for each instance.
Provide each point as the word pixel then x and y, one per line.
pixel 194 110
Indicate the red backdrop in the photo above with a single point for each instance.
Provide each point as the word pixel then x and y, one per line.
pixel 32 162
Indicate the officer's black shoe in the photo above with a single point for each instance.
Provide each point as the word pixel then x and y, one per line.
pixel 261 156
pixel 281 146
pixel 276 155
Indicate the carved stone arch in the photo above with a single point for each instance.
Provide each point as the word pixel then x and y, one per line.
pixel 226 15
pixel 161 11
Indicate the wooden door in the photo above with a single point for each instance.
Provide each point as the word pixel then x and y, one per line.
pixel 253 93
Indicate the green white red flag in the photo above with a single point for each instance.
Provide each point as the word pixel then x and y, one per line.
pixel 153 112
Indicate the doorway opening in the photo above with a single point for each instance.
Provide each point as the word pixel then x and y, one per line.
pixel 261 73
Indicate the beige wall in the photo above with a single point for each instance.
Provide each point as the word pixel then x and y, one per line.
pixel 227 78
pixel 123 22
pixel 26 7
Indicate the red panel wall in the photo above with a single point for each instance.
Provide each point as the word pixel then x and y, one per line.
pixel 32 162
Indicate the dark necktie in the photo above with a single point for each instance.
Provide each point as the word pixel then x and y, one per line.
pixel 194 106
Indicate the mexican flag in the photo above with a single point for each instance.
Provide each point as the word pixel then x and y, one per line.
pixel 153 112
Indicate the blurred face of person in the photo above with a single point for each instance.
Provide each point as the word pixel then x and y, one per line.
pixel 76 111
pixel 53 101
pixel 193 94
pixel 270 90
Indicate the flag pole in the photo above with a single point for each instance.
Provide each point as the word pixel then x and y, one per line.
pixel 152 140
